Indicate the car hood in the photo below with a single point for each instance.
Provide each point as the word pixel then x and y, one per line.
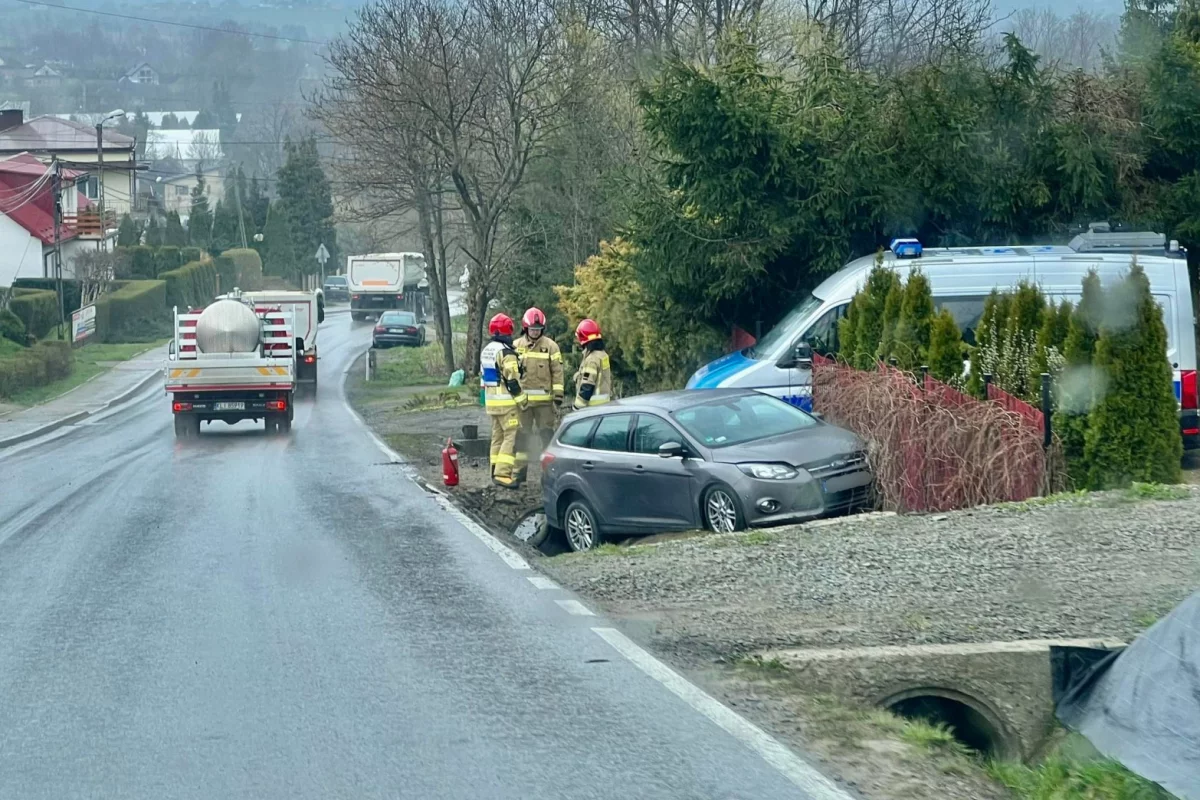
pixel 802 447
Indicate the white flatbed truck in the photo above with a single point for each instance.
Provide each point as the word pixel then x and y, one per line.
pixel 231 362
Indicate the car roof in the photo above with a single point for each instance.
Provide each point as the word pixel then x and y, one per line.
pixel 664 402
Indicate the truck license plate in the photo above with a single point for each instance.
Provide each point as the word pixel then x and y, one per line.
pixel 230 406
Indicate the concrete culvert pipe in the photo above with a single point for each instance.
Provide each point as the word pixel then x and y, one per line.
pixel 228 326
pixel 971 721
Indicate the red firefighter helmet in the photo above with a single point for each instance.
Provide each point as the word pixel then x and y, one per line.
pixel 534 318
pixel 587 331
pixel 501 325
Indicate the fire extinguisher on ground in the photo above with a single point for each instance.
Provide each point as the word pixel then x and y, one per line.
pixel 450 463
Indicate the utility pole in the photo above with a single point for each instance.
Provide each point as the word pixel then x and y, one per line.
pixel 103 244
pixel 56 183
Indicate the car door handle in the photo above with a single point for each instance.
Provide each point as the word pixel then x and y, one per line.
pixel 638 468
pixel 588 465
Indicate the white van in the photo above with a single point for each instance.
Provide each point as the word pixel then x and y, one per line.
pixel 961 279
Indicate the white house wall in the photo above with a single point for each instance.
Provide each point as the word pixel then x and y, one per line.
pixel 20 253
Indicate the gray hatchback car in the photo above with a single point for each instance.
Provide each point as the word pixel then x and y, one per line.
pixel 722 459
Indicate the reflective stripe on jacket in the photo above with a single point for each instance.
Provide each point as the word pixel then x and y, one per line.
pixel 594 370
pixel 542 359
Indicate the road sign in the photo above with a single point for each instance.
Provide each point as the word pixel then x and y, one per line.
pixel 322 254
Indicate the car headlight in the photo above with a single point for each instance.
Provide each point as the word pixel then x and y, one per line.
pixel 768 472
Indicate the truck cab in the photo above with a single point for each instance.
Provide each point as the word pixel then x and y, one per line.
pixel 307 311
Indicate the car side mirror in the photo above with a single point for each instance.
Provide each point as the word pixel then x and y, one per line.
pixel 320 312
pixel 802 356
pixel 672 450
pixel 817 415
pixel 171 351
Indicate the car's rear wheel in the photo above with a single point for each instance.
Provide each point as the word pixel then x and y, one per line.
pixel 579 522
pixel 722 510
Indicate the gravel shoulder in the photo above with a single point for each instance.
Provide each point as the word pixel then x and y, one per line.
pixel 1083 566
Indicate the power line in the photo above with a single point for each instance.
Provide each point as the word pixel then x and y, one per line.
pixel 174 24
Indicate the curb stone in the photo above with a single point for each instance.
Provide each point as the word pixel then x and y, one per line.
pixel 78 416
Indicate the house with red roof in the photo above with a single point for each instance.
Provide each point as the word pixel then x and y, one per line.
pixel 27 219
pixel 49 137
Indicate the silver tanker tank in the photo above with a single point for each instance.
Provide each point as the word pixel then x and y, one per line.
pixel 228 326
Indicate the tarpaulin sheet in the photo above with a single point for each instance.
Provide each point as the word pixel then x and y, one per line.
pixel 1143 710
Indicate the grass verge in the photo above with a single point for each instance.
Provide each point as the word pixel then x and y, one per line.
pixel 89 361
pixel 409 366
pixel 1058 778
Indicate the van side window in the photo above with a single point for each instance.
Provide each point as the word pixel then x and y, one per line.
pixel 823 334
pixel 966 311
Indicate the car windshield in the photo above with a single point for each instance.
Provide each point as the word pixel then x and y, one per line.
pixel 787 328
pixel 335 281
pixel 398 318
pixel 743 418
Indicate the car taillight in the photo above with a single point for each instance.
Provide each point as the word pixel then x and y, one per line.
pixel 310 359
pixel 177 407
pixel 547 457
pixel 1187 390
pixel 380 329
pixel 277 405
pixel 411 330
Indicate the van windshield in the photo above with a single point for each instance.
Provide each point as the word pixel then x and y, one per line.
pixel 787 328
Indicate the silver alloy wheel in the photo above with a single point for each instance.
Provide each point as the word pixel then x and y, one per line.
pixel 579 530
pixel 721 512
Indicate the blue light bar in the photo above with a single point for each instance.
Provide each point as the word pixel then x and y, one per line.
pixel 906 248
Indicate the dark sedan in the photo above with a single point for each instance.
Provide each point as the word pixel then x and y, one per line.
pixel 722 459
pixel 398 327
pixel 336 288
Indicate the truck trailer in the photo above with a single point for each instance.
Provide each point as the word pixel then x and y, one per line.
pixel 231 361
pixel 382 281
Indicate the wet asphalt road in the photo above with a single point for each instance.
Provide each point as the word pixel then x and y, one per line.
pixel 254 617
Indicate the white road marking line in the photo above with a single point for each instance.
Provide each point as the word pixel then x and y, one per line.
pixel 575 607
pixel 542 582
pixel 799 772
pixel 507 554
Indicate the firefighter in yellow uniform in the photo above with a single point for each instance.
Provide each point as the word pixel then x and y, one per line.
pixel 504 398
pixel 542 382
pixel 593 381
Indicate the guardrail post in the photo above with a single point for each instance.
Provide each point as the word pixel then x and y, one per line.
pixel 1047 433
pixel 370 362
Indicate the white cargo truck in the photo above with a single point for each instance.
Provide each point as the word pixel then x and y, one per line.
pixel 232 362
pixel 382 281
pixel 308 312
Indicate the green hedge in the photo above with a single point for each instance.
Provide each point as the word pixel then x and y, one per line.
pixel 135 312
pixel 193 284
pixel 248 266
pixel 189 254
pixel 12 328
pixel 36 366
pixel 72 289
pixel 166 259
pixel 37 309
pixel 141 262
pixel 226 273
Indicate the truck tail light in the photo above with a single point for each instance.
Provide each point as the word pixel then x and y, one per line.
pixel 399 297
pixel 177 407
pixel 1187 390
pixel 354 297
pixel 277 405
pixel 310 359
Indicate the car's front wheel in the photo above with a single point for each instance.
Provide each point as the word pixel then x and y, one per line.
pixel 722 510
pixel 579 523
